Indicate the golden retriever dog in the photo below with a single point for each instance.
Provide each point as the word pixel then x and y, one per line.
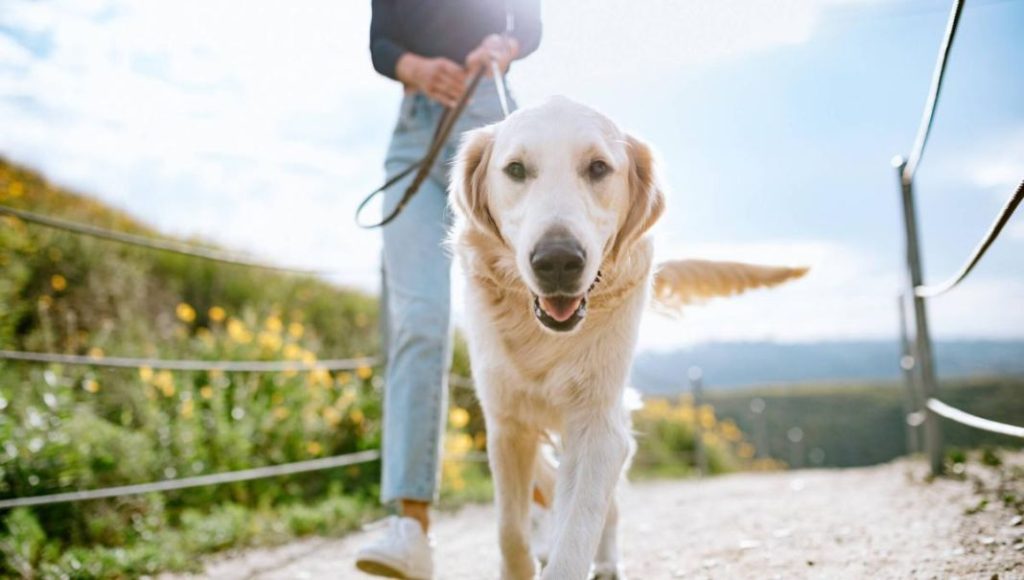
pixel 552 207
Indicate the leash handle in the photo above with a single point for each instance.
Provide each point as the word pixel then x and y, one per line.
pixel 422 167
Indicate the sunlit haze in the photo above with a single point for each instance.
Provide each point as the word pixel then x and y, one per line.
pixel 261 125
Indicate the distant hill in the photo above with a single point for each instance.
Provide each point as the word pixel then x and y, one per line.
pixel 728 366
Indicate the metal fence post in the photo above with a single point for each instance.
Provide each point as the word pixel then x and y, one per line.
pixel 696 376
pixel 757 411
pixel 912 408
pixel 922 342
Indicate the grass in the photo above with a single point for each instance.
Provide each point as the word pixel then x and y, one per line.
pixel 66 428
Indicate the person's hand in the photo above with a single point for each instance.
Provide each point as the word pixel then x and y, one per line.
pixel 495 47
pixel 439 78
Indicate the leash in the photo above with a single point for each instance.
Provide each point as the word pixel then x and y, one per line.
pixel 423 166
pixel 441 133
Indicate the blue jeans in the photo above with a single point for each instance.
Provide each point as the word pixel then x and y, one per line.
pixel 416 294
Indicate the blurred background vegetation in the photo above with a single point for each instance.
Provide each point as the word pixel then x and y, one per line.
pixel 65 428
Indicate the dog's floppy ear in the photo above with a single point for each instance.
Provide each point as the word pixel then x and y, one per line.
pixel 468 187
pixel 646 200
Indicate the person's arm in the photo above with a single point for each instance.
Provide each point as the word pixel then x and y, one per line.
pixel 438 78
pixel 385 51
pixel 524 39
pixel 526 28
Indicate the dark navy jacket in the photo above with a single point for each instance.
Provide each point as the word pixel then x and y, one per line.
pixel 448 28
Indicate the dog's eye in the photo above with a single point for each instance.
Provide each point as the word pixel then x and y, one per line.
pixel 516 170
pixel 598 169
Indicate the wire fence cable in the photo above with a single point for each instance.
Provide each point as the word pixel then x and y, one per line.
pixel 342 364
pixel 928 118
pixel 147 242
pixel 934 290
pixel 954 414
pixel 307 466
pixel 197 481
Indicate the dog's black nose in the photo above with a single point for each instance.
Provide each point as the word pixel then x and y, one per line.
pixel 558 262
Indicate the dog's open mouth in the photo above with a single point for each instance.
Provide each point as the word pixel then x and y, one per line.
pixel 560 313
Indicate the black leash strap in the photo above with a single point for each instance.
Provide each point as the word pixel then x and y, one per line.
pixel 424 165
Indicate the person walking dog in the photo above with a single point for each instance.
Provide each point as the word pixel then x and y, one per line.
pixel 432 47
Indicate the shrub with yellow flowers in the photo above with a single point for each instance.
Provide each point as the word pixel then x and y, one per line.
pixel 65 428
pixel 667 431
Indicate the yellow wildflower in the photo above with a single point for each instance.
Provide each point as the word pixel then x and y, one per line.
pixel 164 381
pixel 206 392
pixel 58 282
pixel 332 416
pixel 187 408
pixel 745 451
pixel 273 324
pixel 45 302
pixel 238 332
pixel 146 373
pixel 216 314
pixel 185 312
pixel 206 336
pixel 320 376
pixel 458 417
pixel 281 413
pixel 480 440
pixel 292 351
pixel 95 352
pixel 344 378
pixel 707 417
pixel 348 396
pixel 364 372
pixel 269 340
pixel 295 330
pixel 91 386
pixel 308 357
pixel 15 189
pixel 460 444
pixel 313 448
pixel 356 416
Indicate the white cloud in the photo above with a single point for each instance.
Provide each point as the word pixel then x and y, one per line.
pixel 262 125
pixel 597 46
pixel 846 294
pixel 995 164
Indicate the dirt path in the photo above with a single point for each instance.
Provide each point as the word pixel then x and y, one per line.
pixel 878 522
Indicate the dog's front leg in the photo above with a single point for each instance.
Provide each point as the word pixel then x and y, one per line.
pixel 596 446
pixel 513 450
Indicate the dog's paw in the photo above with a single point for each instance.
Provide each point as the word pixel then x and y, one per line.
pixel 608 571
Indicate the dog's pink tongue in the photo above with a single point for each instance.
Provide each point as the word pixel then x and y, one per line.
pixel 561 308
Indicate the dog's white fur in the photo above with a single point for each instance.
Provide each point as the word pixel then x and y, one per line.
pixel 531 380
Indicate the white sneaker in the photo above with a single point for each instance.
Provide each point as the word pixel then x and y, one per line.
pixel 404 552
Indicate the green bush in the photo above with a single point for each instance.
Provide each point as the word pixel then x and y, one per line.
pixel 67 428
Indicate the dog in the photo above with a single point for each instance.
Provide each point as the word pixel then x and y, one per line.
pixel 553 206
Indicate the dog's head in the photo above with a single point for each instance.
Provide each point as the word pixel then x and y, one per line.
pixel 564 190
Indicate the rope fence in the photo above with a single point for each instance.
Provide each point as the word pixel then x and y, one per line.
pixel 917 359
pixel 172 246
pixel 993 233
pixel 192 365
pixel 964 418
pixel 252 366
pixel 321 464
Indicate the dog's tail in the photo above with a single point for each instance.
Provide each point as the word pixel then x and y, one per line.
pixel 681 282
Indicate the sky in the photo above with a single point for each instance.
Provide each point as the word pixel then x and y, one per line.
pixel 261 125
